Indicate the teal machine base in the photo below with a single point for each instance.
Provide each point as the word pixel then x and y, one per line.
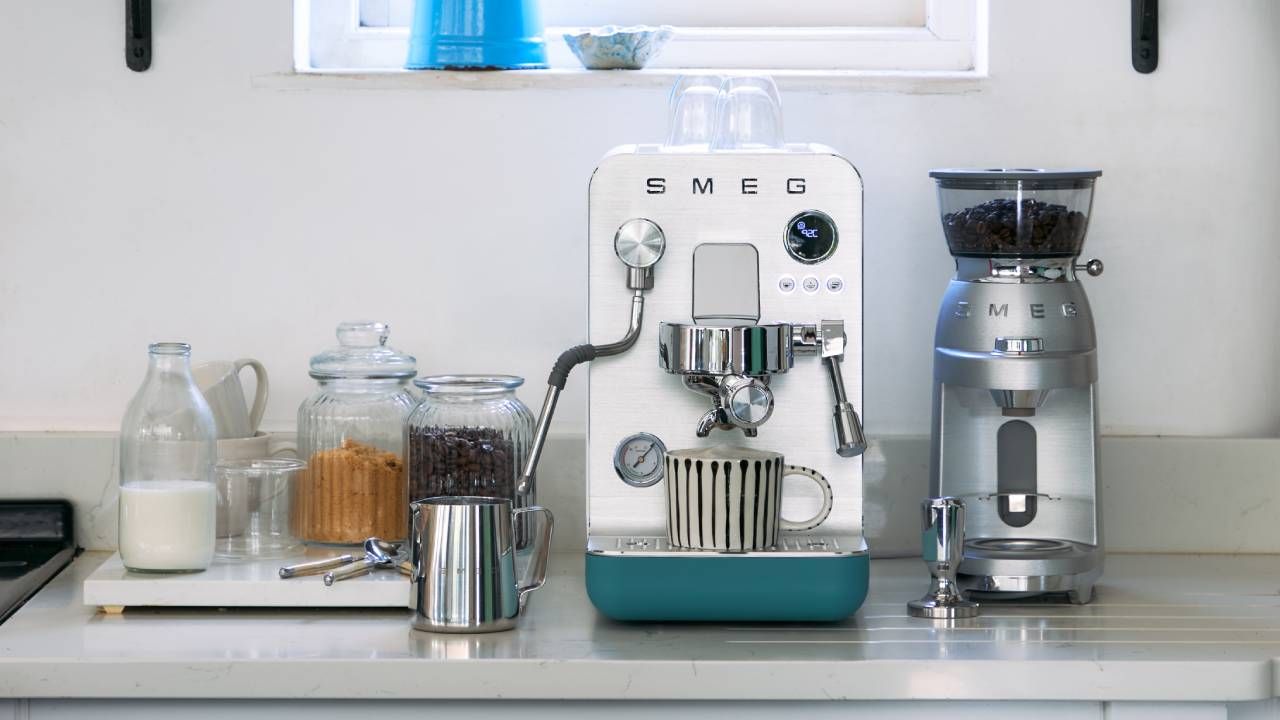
pixel 757 587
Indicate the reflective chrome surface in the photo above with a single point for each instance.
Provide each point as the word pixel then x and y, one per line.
pixel 942 545
pixel 1016 358
pixel 639 243
pixel 724 349
pixel 464 563
pixel 850 441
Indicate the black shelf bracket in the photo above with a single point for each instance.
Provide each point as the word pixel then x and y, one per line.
pixel 1145 18
pixel 137 34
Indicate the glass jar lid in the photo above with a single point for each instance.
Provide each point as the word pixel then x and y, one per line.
pixel 362 352
pixel 469 384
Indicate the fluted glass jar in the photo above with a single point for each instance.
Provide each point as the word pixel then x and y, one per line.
pixel 351 435
pixel 470 435
pixel 168 502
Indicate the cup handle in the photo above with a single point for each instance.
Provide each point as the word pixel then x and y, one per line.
pixel 535 574
pixel 415 566
pixel 822 513
pixel 283 447
pixel 259 393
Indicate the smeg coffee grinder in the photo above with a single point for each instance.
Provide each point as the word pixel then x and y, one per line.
pixel 1015 426
pixel 749 256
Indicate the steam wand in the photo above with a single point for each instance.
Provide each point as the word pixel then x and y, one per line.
pixel 639 244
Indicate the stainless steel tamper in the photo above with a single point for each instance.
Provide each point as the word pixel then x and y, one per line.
pixel 942 541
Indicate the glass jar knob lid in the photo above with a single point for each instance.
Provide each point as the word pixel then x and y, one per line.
pixel 362 352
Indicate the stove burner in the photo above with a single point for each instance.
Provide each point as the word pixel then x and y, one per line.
pixel 36 541
pixel 1021 546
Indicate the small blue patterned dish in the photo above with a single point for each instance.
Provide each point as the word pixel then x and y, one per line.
pixel 618 48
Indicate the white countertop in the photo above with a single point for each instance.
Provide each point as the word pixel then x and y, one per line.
pixel 1163 627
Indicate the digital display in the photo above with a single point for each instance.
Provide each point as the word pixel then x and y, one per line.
pixel 811 237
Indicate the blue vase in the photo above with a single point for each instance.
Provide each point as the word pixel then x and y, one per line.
pixel 476 34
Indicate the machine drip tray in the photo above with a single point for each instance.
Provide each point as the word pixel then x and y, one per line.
pixel 789 545
pixel 807 578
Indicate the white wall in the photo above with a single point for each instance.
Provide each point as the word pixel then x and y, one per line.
pixel 185 203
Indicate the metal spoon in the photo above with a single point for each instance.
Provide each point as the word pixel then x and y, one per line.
pixel 377 553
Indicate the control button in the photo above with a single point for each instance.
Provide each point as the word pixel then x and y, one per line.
pixel 835 283
pixel 810 284
pixel 962 309
pixel 786 283
pixel 1070 310
pixel 811 237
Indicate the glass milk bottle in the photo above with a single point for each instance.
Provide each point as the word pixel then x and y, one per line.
pixel 168 448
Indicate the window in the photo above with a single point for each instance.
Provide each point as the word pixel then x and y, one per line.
pixel 813 35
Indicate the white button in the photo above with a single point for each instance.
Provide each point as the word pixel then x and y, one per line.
pixel 835 283
pixel 810 284
pixel 786 283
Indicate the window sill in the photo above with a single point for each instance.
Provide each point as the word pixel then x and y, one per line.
pixel 905 82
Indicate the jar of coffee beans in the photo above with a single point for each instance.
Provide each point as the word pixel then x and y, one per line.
pixel 469 435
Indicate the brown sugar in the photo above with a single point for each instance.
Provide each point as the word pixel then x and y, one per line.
pixel 351 493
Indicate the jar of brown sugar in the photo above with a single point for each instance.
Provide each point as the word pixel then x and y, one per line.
pixel 351 434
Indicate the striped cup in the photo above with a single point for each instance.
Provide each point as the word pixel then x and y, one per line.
pixel 730 499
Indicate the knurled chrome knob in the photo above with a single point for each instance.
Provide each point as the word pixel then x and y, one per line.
pixel 639 243
pixel 748 402
pixel 1019 345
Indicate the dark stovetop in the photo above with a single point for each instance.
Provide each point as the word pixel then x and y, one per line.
pixel 37 540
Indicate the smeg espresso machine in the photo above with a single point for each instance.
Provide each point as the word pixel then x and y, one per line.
pixel 739 266
pixel 1015 426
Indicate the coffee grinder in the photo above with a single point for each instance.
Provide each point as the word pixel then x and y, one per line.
pixel 748 255
pixel 1015 425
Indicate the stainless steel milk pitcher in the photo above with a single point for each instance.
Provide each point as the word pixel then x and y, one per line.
pixel 464 563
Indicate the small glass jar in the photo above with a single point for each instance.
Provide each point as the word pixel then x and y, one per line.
pixel 470 435
pixel 168 502
pixel 351 435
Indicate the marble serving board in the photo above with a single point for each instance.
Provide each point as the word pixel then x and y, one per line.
pixel 243 583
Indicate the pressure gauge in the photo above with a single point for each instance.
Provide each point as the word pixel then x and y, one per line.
pixel 639 459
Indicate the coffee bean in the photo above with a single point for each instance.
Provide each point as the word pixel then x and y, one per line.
pixel 1005 226
pixel 460 461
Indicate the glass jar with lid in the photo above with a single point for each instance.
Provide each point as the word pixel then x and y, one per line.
pixel 470 435
pixel 351 435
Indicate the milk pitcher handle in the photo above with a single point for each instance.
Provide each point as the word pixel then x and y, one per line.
pixel 535 573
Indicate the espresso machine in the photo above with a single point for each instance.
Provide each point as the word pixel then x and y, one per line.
pixel 1015 425
pixel 746 255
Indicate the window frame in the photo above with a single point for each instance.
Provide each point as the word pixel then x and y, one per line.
pixel 330 39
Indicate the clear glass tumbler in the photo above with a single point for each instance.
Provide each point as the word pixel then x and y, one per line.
pixel 255 507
